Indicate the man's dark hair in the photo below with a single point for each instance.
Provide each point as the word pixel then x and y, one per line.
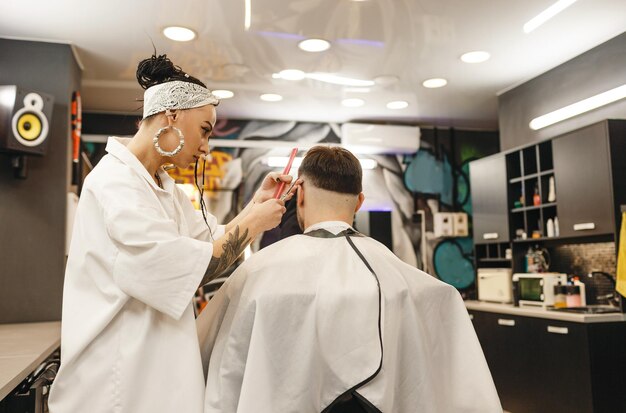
pixel 333 169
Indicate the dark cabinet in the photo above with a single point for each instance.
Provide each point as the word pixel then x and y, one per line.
pixel 564 190
pixel 559 371
pixel 583 182
pixel 540 365
pixel 488 182
pixel 502 338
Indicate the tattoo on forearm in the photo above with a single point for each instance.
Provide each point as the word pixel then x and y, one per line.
pixel 231 250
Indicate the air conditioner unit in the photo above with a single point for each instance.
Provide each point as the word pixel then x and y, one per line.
pixel 380 139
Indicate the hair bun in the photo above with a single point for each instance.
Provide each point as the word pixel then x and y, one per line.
pixel 156 70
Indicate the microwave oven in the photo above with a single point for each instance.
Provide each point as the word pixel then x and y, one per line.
pixel 494 284
pixel 536 289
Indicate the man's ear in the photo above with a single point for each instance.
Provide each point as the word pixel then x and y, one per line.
pixel 359 202
pixel 300 196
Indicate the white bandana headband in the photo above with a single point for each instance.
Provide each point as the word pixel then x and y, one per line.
pixel 176 95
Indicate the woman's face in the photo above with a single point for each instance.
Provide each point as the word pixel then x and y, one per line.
pixel 196 125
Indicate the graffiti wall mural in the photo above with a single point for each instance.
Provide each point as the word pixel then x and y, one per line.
pixel 434 179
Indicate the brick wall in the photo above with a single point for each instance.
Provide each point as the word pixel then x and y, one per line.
pixel 581 259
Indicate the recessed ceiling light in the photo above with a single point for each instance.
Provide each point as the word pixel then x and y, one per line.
pixel 353 102
pixel 314 45
pixel 434 83
pixel 475 57
pixel 547 14
pixel 398 104
pixel 292 74
pixel 271 97
pixel 223 94
pixel 179 34
pixel 386 80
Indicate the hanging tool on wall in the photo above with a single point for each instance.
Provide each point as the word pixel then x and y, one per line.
pixel 76 122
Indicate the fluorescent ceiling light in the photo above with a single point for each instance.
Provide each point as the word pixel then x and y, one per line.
pixel 353 102
pixel 577 108
pixel 281 162
pixel 7 97
pixel 291 74
pixel 357 90
pixel 271 97
pixel 179 34
pixel 547 14
pixel 223 94
pixel 368 163
pixel 398 104
pixel 475 57
pixel 339 80
pixel 434 83
pixel 247 15
pixel 314 45
pixel 386 80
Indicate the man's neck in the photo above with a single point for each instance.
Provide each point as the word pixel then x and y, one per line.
pixel 319 219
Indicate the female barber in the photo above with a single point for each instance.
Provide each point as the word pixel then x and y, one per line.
pixel 139 252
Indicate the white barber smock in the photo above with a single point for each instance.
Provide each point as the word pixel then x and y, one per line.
pixel 138 253
pixel 295 327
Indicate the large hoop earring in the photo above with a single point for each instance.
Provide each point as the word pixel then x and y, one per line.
pixel 181 141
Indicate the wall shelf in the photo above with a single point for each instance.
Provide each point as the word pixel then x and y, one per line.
pixel 530 170
pixel 531 240
pixel 530 208
pixel 531 176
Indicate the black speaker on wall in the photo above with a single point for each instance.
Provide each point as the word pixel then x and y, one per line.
pixel 24 120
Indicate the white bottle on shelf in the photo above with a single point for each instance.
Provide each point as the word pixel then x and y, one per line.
pixel 556 226
pixel 550 228
pixel 552 190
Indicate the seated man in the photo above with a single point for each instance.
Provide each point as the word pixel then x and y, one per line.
pixel 331 321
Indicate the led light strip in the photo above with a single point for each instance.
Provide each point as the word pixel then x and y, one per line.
pixel 248 15
pixel 547 14
pixel 577 108
pixel 294 74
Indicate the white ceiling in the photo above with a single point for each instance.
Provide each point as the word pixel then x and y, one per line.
pixel 411 39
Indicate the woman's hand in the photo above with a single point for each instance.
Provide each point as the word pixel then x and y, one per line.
pixel 264 194
pixel 269 185
pixel 267 215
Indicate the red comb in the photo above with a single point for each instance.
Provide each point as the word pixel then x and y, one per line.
pixel 280 188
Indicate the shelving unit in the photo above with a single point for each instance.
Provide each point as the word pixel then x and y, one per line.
pixel 529 172
pixel 530 208
pixel 587 165
pixel 492 255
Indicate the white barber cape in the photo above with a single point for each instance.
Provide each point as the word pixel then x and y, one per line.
pixel 138 253
pixel 296 326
